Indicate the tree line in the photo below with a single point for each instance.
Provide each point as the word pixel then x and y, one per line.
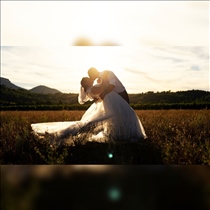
pixel 21 99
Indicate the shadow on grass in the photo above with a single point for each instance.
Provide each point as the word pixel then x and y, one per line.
pixel 32 150
pixel 113 153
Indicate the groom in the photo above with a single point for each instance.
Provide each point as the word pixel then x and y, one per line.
pixel 113 81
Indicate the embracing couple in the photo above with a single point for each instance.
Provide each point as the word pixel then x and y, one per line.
pixel 109 119
pixel 108 82
pixel 116 118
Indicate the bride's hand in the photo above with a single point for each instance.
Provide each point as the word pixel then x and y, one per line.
pixel 96 100
pixel 102 95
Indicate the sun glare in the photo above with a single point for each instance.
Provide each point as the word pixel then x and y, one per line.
pixel 101 58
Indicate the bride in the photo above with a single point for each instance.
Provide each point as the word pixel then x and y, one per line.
pixel 109 120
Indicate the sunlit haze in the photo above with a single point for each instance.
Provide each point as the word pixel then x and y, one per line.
pixel 150 46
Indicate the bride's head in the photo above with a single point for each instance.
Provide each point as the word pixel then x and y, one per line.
pixel 86 82
pixel 93 73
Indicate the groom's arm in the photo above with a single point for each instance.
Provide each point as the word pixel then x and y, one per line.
pixel 106 91
pixel 110 77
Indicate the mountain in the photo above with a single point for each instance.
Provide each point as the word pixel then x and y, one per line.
pixel 7 83
pixel 43 89
pixel 39 89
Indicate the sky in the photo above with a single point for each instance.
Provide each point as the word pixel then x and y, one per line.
pixel 149 45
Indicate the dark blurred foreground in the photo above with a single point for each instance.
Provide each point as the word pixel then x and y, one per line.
pixel 105 187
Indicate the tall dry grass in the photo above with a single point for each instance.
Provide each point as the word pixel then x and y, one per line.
pixel 174 137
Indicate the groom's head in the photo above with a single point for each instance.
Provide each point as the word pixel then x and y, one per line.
pixel 93 73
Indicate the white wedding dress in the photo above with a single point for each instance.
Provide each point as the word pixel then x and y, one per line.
pixel 108 120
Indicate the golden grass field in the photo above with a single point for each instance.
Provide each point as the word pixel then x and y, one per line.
pixel 174 137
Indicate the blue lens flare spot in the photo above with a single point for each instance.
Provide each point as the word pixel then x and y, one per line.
pixel 114 194
pixel 110 155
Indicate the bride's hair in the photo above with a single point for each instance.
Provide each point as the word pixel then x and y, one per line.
pixel 86 82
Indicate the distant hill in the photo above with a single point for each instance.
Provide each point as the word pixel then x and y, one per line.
pixel 8 84
pixel 39 89
pixel 44 90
